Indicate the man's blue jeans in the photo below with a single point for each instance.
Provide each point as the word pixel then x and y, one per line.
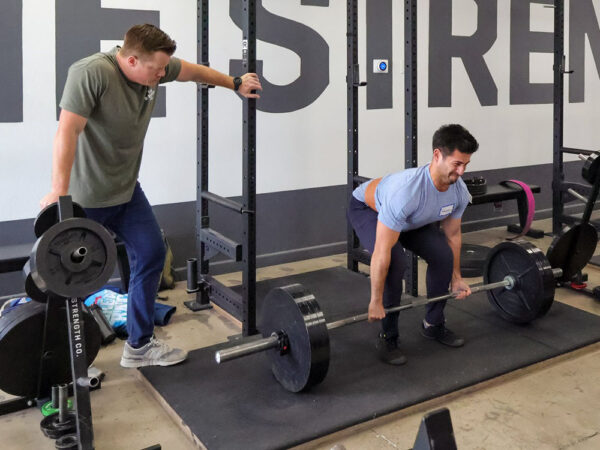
pixel 428 242
pixel 134 224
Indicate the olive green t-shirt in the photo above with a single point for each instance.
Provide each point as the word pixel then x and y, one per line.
pixel 118 111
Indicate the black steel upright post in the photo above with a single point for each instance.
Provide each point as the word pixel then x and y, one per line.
pixel 249 175
pixel 79 370
pixel 410 115
pixel 352 131
pixel 202 300
pixel 559 71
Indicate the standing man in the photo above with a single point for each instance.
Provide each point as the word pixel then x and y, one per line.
pixel 406 210
pixel 106 107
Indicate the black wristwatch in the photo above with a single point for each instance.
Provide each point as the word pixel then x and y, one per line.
pixel 237 82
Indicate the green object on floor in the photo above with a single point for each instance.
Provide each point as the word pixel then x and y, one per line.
pixel 47 408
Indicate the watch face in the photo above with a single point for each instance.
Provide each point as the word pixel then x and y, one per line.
pixel 237 82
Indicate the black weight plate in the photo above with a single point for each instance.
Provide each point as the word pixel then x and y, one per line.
pixel 67 442
pixel 472 259
pixel 48 217
pixel 572 249
pixel 56 270
pixel 294 310
pixel 53 428
pixel 589 171
pixel 21 335
pixel 533 293
pixel 476 185
pixel 33 292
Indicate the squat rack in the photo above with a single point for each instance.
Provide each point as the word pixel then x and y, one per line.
pixel 559 185
pixel 354 253
pixel 209 241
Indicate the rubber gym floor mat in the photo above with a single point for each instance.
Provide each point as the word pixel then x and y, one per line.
pixel 239 405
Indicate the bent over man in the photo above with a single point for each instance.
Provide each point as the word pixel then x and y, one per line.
pixel 419 209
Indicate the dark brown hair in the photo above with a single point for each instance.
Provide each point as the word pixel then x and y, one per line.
pixel 454 137
pixel 141 40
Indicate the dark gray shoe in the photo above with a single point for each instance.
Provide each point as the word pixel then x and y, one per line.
pixel 388 351
pixel 442 334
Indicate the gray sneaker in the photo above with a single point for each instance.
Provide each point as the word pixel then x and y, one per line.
pixel 154 353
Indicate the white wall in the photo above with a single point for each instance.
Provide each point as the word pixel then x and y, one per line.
pixel 305 148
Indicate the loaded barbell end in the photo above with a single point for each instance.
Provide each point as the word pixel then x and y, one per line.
pixel 510 282
pixel 273 341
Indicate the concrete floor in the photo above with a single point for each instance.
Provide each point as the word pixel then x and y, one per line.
pixel 550 405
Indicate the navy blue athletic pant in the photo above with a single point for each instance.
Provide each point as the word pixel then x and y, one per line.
pixel 429 242
pixel 134 224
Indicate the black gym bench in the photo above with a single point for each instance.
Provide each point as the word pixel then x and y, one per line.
pixel 498 193
pixel 14 257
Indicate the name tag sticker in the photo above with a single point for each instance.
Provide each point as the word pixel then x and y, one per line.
pixel 446 210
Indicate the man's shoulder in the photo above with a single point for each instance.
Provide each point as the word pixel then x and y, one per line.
pixel 98 63
pixel 408 177
pixel 462 190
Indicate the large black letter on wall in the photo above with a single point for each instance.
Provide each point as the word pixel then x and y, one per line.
pixel 443 46
pixel 11 75
pixel 582 22
pixel 302 40
pixel 379 46
pixel 523 42
pixel 82 24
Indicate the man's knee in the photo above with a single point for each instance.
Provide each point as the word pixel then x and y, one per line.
pixel 149 256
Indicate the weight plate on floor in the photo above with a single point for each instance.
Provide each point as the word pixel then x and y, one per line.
pixel 472 259
pixel 73 258
pixel 590 168
pixel 294 311
pixel 48 410
pixel 533 293
pixel 53 428
pixel 21 341
pixel 48 217
pixel 572 249
pixel 67 442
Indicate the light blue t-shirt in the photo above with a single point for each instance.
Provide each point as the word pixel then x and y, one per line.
pixel 408 200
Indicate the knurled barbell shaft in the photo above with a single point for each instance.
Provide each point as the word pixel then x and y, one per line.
pixel 419 301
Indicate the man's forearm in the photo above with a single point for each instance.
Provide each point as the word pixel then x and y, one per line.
pixel 207 75
pixel 379 268
pixel 455 243
pixel 63 155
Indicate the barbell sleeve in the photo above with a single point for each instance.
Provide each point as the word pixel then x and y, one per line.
pixel 576 194
pixel 247 349
pixel 582 157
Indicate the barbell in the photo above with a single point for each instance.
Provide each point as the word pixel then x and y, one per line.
pixel 518 279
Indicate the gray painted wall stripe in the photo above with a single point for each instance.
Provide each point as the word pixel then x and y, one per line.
pixel 11 87
pixel 379 46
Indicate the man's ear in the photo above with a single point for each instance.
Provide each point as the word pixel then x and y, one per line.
pixel 132 61
pixel 437 154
